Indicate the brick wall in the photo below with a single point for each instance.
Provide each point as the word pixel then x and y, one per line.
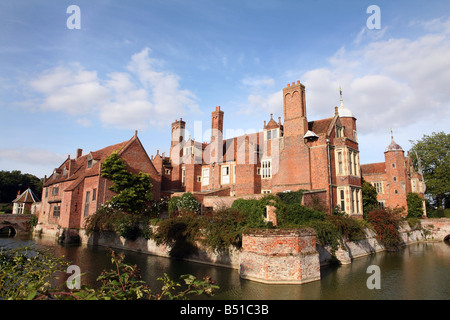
pixel 280 256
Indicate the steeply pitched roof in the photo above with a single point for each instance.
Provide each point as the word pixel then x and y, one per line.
pixel 320 126
pixel 76 169
pixel 373 168
pixel 27 196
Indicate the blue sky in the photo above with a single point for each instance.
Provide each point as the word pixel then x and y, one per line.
pixel 139 65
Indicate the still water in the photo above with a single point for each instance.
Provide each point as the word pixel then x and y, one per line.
pixel 420 271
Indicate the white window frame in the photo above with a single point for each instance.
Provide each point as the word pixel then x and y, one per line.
pixel 205 177
pixel 272 134
pixel 183 176
pixel 266 169
pixel 225 174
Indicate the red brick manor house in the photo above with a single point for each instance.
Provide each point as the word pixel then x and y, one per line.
pixel 320 156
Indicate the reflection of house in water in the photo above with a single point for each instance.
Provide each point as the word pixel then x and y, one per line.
pixel 27 202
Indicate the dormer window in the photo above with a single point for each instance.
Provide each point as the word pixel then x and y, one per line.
pixel 272 134
pixel 188 150
pixel 89 163
pixel 339 132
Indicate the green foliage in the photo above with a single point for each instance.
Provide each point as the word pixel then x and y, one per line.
pixel 108 218
pixel 327 234
pixel 225 228
pixel 6 207
pixel 415 205
pixel 33 221
pixel 438 213
pixel 13 181
pixel 291 197
pixel 133 191
pixel 181 233
pixel 433 153
pixel 386 224
pixel 297 214
pixel 27 274
pixel 369 197
pixel 255 210
pixel 184 204
pixel 333 230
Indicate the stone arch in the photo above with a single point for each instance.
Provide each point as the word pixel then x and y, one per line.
pixel 8 231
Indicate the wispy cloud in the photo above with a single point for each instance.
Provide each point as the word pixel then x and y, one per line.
pixel 141 96
pixel 394 82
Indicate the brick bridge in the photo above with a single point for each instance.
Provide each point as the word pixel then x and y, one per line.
pixel 15 223
pixel 440 228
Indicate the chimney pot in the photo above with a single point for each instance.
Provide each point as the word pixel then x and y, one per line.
pixel 293 83
pixel 298 81
pixel 288 85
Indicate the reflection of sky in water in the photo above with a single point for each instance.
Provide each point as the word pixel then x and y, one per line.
pixel 419 271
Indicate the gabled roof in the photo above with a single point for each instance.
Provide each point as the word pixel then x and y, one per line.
pixel 373 168
pixel 320 126
pixel 27 196
pixel 78 167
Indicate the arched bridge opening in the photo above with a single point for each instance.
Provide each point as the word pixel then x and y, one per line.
pixel 7 231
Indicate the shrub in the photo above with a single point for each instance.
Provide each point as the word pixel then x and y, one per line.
pixel 127 227
pixel 327 234
pixel 225 229
pixel 181 232
pixel 297 214
pixel 351 229
pixel 415 205
pixel 291 197
pixel 386 223
pixel 185 203
pixel 253 209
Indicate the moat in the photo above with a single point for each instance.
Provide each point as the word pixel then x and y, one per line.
pixel 418 271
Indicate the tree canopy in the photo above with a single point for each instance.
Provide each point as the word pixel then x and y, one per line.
pixel 13 181
pixel 369 197
pixel 133 191
pixel 431 154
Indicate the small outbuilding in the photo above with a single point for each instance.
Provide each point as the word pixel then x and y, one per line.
pixel 27 201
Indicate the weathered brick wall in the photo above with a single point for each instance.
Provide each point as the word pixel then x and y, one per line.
pixel 280 256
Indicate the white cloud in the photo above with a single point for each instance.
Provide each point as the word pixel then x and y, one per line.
pixel 32 156
pixel 142 96
pixel 386 83
pixel 262 98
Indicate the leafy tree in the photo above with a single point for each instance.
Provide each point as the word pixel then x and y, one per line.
pixel 133 191
pixel 369 197
pixel 415 205
pixel 433 151
pixel 13 181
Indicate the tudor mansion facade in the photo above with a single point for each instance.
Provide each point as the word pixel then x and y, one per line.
pixel 318 156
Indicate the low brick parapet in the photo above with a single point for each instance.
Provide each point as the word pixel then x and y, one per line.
pixel 285 256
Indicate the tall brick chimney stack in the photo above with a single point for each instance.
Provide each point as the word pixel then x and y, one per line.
pixel 295 122
pixel 216 150
pixel 216 123
pixel 79 153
